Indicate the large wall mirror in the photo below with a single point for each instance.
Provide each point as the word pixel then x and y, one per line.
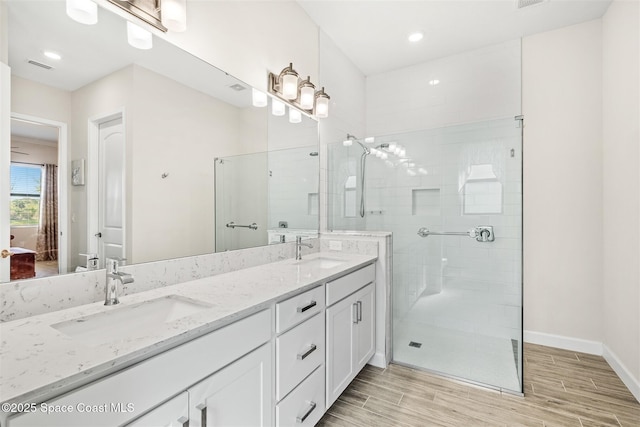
pixel 141 154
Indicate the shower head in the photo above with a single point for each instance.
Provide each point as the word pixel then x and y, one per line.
pixel 383 145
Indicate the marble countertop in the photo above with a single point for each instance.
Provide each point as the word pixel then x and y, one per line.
pixel 38 361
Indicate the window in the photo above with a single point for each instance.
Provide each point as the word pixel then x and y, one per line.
pixel 26 184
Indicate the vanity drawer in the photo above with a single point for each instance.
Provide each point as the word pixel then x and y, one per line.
pixel 298 308
pixel 346 285
pixel 298 352
pixel 301 401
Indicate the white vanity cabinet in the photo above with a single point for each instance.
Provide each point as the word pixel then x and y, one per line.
pixel 238 395
pixel 281 366
pixel 300 353
pixel 350 327
pixel 147 387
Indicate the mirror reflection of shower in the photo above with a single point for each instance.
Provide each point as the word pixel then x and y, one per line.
pixel 380 151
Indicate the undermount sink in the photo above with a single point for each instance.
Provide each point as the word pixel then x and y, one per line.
pixel 116 323
pixel 321 262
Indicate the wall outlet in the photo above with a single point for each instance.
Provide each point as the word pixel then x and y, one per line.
pixel 335 245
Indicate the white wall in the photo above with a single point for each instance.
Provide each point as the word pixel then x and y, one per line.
pixel 100 98
pixel 346 85
pixel 175 216
pixel 248 38
pixel 621 141
pixel 562 105
pixel 481 84
pixel 36 99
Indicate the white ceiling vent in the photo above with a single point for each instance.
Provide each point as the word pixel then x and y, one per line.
pixel 526 3
pixel 40 64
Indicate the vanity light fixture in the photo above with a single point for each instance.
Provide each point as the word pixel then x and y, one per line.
pixel 277 107
pixel 83 11
pixel 307 93
pixel 434 82
pixel 174 15
pixel 258 98
pixel 295 116
pixel 138 37
pixel 322 104
pixel 301 94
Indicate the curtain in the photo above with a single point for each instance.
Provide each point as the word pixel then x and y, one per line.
pixel 47 246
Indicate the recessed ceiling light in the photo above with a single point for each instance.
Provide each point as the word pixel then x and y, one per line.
pixel 52 55
pixel 416 37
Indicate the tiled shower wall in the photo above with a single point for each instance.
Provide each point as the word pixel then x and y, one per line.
pixel 484 277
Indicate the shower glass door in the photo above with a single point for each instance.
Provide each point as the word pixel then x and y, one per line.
pixel 453 199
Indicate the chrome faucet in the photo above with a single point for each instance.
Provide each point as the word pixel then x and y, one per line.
pixel 299 246
pixel 113 277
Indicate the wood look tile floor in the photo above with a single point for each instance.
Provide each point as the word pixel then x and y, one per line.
pixel 562 388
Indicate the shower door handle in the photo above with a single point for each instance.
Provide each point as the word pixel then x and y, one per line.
pixel 482 233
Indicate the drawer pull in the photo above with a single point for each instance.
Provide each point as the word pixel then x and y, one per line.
pixel 304 355
pixel 184 421
pixel 359 311
pixel 307 307
pixel 355 312
pixel 312 406
pixel 203 414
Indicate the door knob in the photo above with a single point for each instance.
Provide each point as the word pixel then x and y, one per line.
pixel 5 253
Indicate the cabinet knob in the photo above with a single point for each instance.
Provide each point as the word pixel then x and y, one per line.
pixel 355 312
pixel 203 414
pixel 312 406
pixel 307 307
pixel 302 356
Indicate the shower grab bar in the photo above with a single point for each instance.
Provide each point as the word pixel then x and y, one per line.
pixel 424 232
pixel 482 233
pixel 252 226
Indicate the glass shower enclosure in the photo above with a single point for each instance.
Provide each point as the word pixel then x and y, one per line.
pixel 452 197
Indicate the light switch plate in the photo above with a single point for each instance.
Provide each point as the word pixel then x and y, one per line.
pixel 335 245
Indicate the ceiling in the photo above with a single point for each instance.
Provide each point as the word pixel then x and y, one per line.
pixel 90 52
pixel 373 33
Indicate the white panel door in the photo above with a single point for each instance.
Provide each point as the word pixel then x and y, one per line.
pixel 111 221
pixel 340 347
pixel 238 395
pixel 365 336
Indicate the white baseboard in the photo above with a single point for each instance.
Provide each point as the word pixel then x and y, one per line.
pixel 633 384
pixel 590 347
pixel 378 360
pixel 566 343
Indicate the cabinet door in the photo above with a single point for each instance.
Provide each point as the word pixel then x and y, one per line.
pixel 365 334
pixel 340 347
pixel 238 395
pixel 173 413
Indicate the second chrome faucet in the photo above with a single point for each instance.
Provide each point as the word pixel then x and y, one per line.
pixel 299 246
pixel 114 277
